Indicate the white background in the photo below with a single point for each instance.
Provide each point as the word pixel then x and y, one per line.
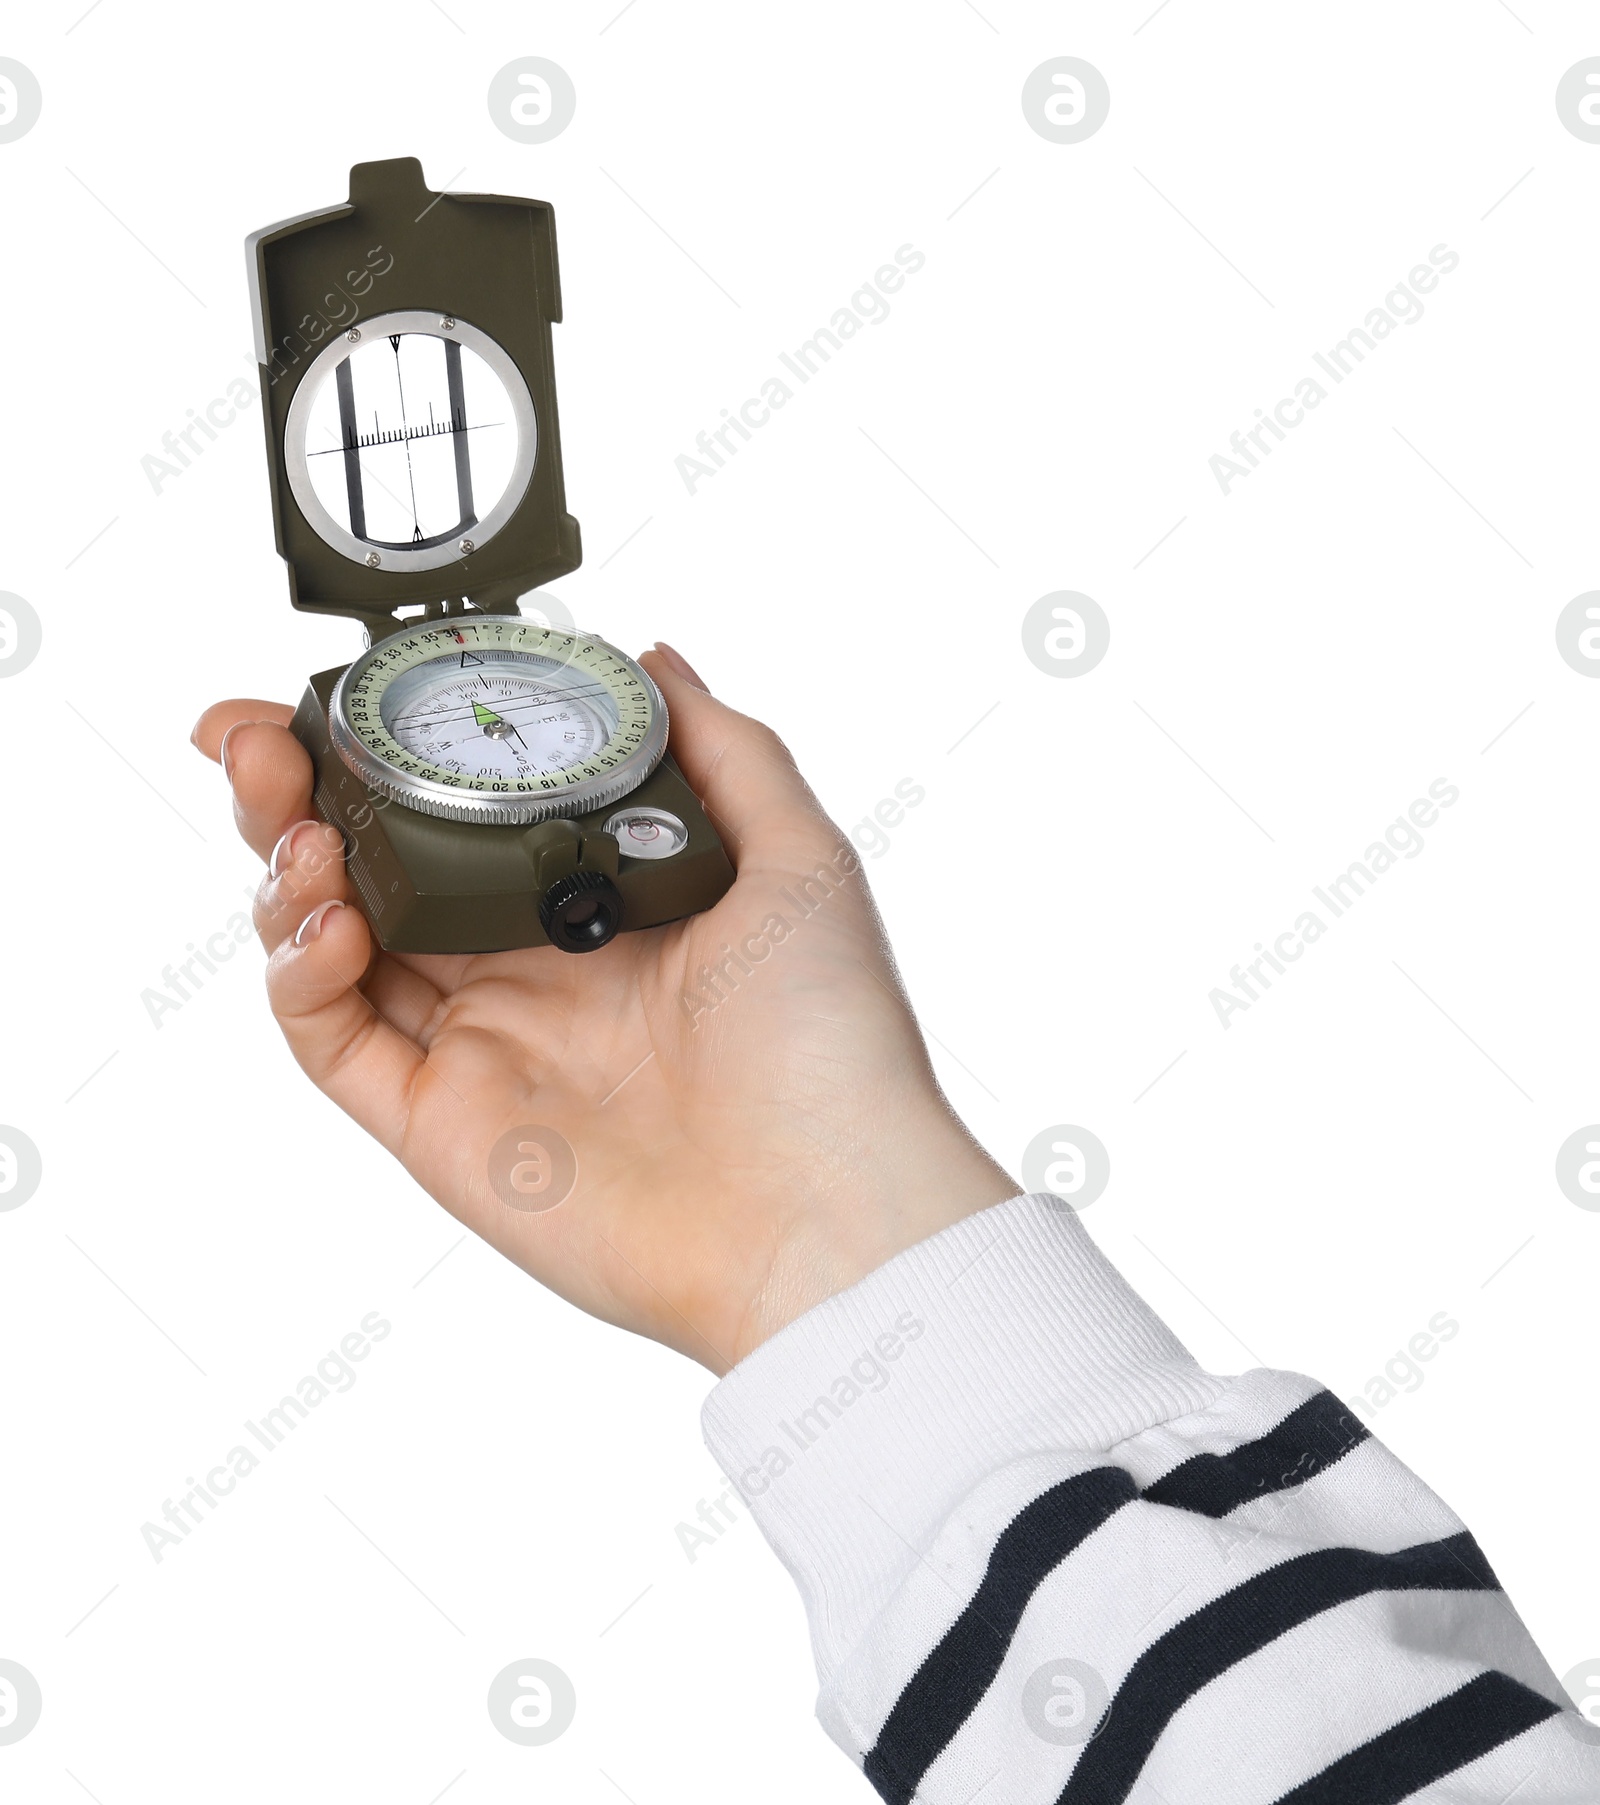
pixel 1288 670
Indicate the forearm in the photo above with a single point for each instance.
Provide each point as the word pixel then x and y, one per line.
pixel 1040 1547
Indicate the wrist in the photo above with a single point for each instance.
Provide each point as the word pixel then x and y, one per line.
pixel 895 1191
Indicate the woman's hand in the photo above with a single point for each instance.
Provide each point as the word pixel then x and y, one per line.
pixel 748 1141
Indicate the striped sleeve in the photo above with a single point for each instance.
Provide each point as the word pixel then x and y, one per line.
pixel 1047 1560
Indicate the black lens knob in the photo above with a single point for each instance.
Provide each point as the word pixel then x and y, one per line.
pixel 581 912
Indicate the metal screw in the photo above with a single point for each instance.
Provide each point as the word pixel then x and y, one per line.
pixel 467 545
pixel 447 324
pixel 373 560
pixel 353 334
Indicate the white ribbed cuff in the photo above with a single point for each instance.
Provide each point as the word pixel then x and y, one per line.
pixel 855 1432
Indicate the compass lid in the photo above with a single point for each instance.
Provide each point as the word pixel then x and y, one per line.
pixel 408 391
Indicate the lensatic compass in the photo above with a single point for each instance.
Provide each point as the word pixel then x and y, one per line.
pixel 499 783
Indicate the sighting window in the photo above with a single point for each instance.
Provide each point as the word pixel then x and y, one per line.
pixel 410 447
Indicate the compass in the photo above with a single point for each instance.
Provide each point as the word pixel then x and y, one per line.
pixel 499 783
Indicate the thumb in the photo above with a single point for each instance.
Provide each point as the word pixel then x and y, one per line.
pixel 741 771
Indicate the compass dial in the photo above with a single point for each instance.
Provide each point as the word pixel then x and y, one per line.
pixel 496 719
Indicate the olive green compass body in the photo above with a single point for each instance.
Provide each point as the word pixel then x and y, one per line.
pixel 499 782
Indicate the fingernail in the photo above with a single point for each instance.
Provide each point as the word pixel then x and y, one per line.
pixel 222 751
pixel 283 852
pixel 681 667
pixel 311 927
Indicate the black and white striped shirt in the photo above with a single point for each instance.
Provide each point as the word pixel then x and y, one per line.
pixel 1046 1558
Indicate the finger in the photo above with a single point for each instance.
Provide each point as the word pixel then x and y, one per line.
pixel 304 870
pixel 404 998
pixel 271 776
pixel 307 870
pixel 741 771
pixel 341 1042
pixel 212 727
pixel 444 971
